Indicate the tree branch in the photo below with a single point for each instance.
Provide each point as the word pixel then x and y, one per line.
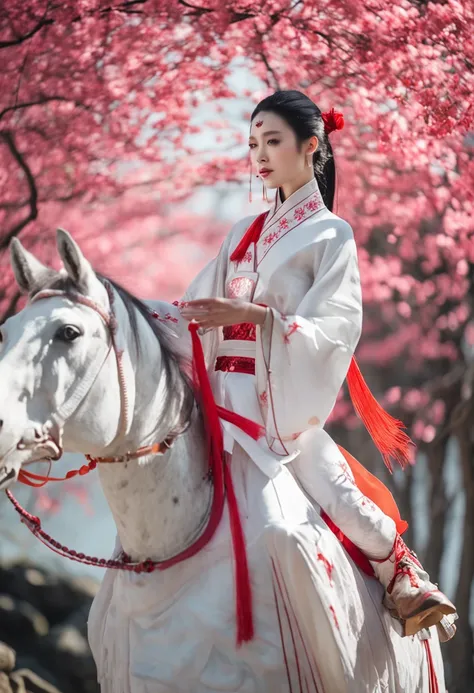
pixel 33 198
pixel 21 39
pixel 123 7
pixel 42 100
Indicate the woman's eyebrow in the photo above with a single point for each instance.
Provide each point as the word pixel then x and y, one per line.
pixel 265 134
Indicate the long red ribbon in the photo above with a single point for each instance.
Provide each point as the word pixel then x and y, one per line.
pixel 223 480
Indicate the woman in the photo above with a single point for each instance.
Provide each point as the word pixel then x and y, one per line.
pixel 285 287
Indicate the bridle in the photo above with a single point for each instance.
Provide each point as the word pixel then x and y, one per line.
pixel 68 408
pixel 60 417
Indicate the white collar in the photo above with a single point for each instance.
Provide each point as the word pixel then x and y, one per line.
pixel 279 210
pixel 303 204
pixel 298 196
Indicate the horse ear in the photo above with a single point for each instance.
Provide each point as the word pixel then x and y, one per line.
pixel 76 265
pixel 29 272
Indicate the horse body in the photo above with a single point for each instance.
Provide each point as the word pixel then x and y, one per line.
pixel 319 622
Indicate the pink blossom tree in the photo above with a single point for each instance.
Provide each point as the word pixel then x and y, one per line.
pixel 98 133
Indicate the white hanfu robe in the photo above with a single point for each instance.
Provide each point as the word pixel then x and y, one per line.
pixel 320 626
pixel 304 268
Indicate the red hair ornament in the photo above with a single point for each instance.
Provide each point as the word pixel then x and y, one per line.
pixel 332 121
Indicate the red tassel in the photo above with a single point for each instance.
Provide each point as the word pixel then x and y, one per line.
pixel 386 432
pixel 250 236
pixel 243 589
pixel 222 478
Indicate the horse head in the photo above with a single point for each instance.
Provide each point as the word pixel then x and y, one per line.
pixel 58 373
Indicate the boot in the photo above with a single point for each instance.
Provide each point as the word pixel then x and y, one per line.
pixel 409 594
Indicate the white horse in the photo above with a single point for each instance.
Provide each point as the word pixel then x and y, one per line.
pixel 73 378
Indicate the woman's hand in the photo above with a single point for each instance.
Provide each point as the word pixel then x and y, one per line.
pixel 218 312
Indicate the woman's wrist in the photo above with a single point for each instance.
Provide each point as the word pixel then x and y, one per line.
pixel 257 314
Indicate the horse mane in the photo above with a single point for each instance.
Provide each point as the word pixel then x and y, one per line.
pixel 179 397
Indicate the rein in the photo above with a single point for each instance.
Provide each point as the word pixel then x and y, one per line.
pixel 218 472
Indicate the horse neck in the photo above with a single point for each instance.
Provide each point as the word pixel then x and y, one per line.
pixel 160 503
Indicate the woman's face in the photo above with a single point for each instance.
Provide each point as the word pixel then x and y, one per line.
pixel 275 154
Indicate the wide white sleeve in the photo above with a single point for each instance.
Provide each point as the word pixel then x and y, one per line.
pixel 302 359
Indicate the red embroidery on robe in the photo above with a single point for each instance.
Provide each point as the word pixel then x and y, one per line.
pixel 168 316
pixel 291 330
pixel 314 205
pixel 240 287
pixel 247 257
pixel 327 564
pixel 237 364
pixel 244 330
pixel 346 472
pixel 271 238
pixel 283 224
pixel 334 615
pixel 366 502
pixel 264 398
pixel 299 213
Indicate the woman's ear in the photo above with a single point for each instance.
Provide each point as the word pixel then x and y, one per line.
pixel 312 145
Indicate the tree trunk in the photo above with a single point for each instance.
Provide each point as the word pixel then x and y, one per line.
pixel 437 510
pixel 460 654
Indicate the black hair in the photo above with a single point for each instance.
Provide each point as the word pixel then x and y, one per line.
pixel 305 119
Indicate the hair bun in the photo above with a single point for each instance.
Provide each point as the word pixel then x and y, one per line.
pixel 332 121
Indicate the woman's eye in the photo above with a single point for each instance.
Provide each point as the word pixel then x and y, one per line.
pixel 252 146
pixel 273 141
pixel 67 333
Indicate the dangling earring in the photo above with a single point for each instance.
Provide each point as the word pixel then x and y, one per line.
pixel 309 161
pixel 264 192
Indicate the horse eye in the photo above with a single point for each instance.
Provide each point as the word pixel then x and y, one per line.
pixel 67 333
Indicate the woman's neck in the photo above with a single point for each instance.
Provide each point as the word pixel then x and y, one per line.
pixel 292 186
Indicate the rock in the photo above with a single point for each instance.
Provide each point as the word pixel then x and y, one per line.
pixel 43 616
pixel 79 620
pixel 33 683
pixel 5 683
pixel 20 620
pixel 17 684
pixel 7 658
pixel 39 665
pixel 53 595
pixel 68 649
